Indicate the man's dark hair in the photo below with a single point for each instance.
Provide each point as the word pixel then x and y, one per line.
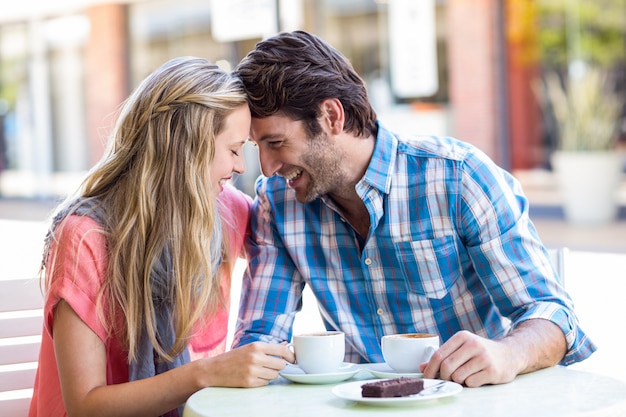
pixel 292 73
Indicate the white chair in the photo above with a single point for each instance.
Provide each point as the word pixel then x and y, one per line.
pixel 21 318
pixel 558 256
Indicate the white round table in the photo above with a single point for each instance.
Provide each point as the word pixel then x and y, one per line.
pixel 553 392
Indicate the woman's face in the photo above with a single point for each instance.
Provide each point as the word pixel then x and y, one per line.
pixel 229 147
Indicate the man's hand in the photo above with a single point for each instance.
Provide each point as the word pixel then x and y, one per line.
pixel 474 361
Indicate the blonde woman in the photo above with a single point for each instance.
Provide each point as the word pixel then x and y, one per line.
pixel 137 263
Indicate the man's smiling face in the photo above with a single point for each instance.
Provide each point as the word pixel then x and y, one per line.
pixel 311 166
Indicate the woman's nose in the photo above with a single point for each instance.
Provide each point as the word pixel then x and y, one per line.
pixel 240 164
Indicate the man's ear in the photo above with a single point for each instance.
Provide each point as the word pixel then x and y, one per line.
pixel 333 115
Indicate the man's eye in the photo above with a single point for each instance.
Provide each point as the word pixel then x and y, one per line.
pixel 274 143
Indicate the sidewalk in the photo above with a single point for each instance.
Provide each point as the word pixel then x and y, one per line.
pixel 26 209
pixel 556 232
pixel 553 230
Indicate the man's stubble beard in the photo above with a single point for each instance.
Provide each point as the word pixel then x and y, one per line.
pixel 325 168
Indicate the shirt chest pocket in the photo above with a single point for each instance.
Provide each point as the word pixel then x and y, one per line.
pixel 430 267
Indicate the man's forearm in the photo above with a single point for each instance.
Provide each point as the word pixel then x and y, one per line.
pixel 537 343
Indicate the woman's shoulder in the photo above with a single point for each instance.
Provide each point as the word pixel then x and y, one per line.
pixel 235 212
pixel 79 223
pixel 235 200
pixel 78 228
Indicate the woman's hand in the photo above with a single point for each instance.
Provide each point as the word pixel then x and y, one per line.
pixel 81 360
pixel 251 365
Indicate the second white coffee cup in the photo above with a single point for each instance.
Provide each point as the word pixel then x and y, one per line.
pixel 320 352
pixel 405 352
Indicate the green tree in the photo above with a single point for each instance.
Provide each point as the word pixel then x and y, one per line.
pixel 593 31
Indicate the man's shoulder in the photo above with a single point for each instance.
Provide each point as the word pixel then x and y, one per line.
pixel 275 186
pixel 274 195
pixel 430 146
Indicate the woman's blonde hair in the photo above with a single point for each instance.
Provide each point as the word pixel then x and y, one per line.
pixel 153 184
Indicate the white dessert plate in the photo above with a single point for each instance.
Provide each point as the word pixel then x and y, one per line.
pixel 295 374
pixel 384 371
pixel 352 391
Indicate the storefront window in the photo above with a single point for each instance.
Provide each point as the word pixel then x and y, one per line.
pixel 577 36
pixel 13 93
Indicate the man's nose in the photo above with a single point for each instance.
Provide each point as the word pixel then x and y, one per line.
pixel 270 164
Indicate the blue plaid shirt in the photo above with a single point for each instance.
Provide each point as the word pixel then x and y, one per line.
pixel 450 247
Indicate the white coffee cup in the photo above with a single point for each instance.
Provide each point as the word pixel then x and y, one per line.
pixel 405 352
pixel 320 352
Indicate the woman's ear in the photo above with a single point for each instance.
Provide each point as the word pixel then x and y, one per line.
pixel 333 115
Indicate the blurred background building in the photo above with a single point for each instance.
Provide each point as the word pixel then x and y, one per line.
pixel 467 68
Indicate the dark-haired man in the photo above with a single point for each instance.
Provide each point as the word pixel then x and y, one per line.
pixel 394 234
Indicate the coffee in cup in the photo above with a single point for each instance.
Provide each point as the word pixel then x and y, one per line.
pixel 320 352
pixel 405 352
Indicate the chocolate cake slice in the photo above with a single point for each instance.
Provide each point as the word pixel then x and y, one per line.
pixel 397 387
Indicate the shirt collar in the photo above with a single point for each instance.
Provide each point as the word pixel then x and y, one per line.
pixel 381 166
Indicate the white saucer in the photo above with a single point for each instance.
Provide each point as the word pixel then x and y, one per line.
pixel 295 374
pixel 382 370
pixel 352 391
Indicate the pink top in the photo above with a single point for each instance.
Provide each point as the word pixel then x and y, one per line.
pixel 79 273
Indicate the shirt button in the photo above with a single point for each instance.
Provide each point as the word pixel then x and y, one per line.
pixel 380 311
pixel 368 261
